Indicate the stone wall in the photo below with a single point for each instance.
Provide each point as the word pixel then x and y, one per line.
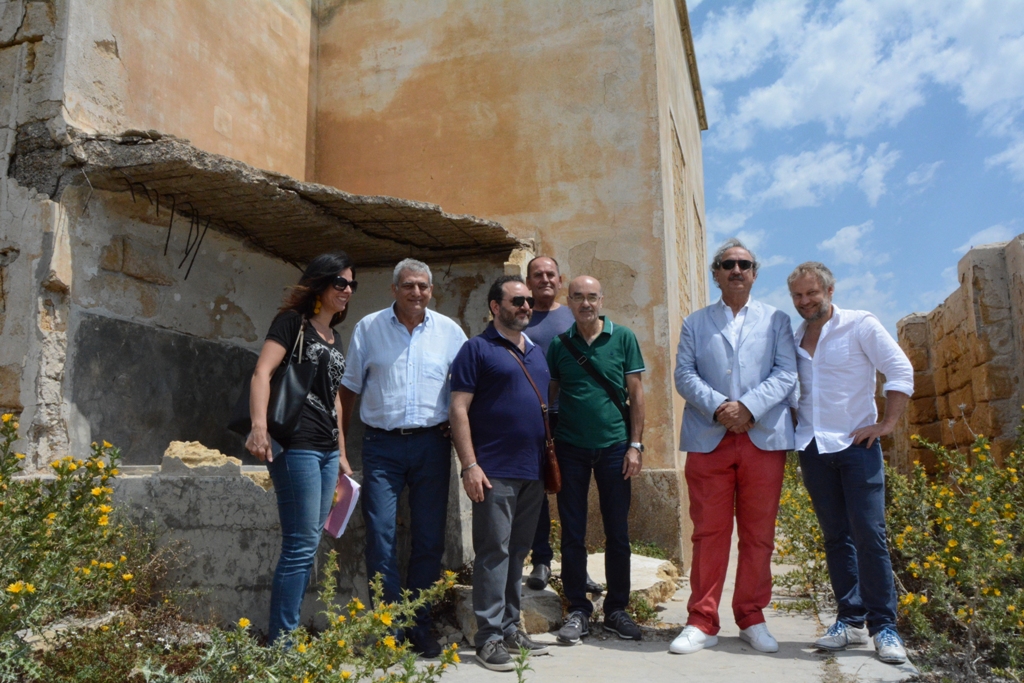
pixel 968 357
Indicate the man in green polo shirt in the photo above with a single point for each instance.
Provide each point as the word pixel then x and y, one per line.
pixel 595 367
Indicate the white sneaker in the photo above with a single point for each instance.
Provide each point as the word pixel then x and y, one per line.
pixel 691 640
pixel 889 646
pixel 759 638
pixel 839 636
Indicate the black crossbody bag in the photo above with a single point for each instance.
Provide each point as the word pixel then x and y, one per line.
pixel 601 380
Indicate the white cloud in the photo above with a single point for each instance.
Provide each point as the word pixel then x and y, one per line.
pixel 872 180
pixel 754 239
pixel 994 233
pixel 854 66
pixel 776 260
pixel 845 245
pixel 1012 157
pixel 926 301
pixel 722 225
pixel 923 175
pixel 869 292
pixel 750 172
pixel 804 179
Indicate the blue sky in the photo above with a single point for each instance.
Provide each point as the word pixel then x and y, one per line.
pixel 881 137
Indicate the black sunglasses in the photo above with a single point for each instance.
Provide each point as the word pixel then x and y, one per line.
pixel 518 301
pixel 744 264
pixel 340 283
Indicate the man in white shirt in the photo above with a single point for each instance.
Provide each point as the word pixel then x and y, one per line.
pixel 837 434
pixel 398 361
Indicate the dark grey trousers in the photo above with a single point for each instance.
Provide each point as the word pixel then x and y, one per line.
pixel 503 528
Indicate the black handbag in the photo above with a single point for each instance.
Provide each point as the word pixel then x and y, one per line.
pixel 289 386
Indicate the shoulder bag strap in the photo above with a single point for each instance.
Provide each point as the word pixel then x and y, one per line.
pixel 298 343
pixel 543 403
pixel 601 380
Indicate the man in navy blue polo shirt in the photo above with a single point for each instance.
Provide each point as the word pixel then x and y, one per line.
pixel 498 429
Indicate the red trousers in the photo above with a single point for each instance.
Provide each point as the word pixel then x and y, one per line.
pixel 736 477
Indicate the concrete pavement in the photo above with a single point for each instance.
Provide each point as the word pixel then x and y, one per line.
pixel 608 659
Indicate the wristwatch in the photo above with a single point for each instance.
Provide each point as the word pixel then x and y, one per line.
pixel 637 445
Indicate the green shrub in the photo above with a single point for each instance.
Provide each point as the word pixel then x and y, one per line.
pixel 357 645
pixel 62 552
pixel 798 542
pixel 957 549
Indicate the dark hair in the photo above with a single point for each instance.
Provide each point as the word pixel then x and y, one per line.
pixel 317 277
pixel 552 258
pixel 497 290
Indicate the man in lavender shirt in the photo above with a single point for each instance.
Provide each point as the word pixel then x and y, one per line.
pixel 549 320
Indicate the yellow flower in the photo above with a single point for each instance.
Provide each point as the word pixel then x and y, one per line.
pixel 107 565
pixel 16 587
pixel 951 572
pixel 341 643
pixel 999 541
pixel 385 619
pixel 341 618
pixel 1011 608
pixel 243 622
pixel 123 559
pixel 923 599
pixel 345 675
pixel 938 504
pixel 301 647
pixel 55 464
pixel 455 658
pixel 952 543
pixel 107 444
pixel 914 437
pixel 105 509
pixel 94 562
pixel 358 604
pixel 30 588
pixel 72 467
pixel 101 464
pixel 86 571
pixel 389 642
pixel 979 478
pixel 19 456
pixel 103 520
pixel 7 417
pixel 127 577
pixel 96 491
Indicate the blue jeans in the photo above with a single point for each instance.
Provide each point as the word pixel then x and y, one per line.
pixel 304 482
pixel 614 496
pixel 848 492
pixel 421 461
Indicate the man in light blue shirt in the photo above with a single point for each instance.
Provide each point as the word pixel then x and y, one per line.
pixel 398 361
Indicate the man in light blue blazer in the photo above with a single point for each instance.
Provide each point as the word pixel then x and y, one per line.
pixel 736 367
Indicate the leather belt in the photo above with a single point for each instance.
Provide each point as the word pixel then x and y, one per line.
pixel 403 431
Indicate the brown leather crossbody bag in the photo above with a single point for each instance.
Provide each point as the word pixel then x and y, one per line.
pixel 552 475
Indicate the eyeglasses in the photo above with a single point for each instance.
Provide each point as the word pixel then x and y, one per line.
pixel 340 283
pixel 729 264
pixel 518 301
pixel 579 298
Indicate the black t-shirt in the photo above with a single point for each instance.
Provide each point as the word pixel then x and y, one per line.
pixel 318 424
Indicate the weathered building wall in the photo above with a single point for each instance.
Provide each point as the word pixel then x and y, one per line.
pixel 551 118
pixel 968 357
pixel 232 77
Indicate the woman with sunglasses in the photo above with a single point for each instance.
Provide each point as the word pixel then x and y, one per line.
pixel 306 471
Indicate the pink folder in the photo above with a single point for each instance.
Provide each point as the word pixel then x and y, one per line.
pixel 346 495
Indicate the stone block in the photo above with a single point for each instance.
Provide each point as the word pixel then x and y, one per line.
pixel 993 381
pixel 143 263
pixel 961 401
pixel 112 255
pixel 10 388
pixel 913 331
pixel 958 374
pixel 541 611
pixel 38 22
pixel 464 616
pixel 653 578
pixel 941 380
pixel 924 384
pixel 922 411
pixel 658 489
pixel 10 63
pixel 919 359
pixel 11 14
pixel 193 459
pixel 931 432
pixel 942 407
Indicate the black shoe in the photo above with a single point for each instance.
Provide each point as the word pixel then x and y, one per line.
pixel 424 645
pixel 494 655
pixel 520 640
pixel 620 623
pixel 593 587
pixel 539 577
pixel 577 625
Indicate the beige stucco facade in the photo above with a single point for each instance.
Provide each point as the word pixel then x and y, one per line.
pixel 575 126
